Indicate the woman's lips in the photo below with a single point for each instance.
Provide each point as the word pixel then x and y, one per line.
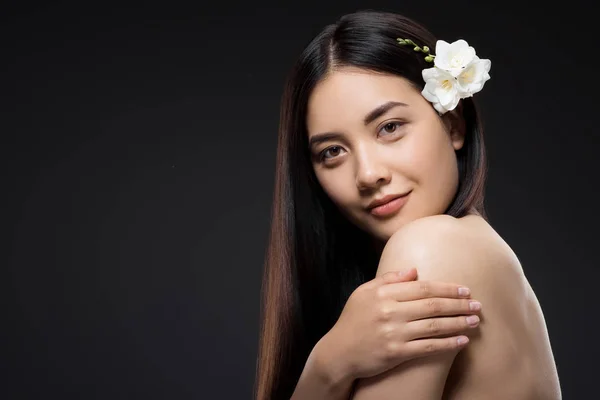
pixel 390 207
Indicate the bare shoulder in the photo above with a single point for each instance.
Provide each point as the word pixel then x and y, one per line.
pixel 511 343
pixel 442 247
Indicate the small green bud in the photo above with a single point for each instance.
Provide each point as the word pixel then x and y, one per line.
pixel 429 59
pixel 401 41
pixel 417 48
pixel 426 49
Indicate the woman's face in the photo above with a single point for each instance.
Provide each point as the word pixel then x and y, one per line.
pixel 382 138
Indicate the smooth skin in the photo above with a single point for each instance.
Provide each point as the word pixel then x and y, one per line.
pixel 408 148
pixel 511 343
pixel 393 318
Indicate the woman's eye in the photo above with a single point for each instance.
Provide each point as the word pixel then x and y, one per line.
pixel 333 151
pixel 390 127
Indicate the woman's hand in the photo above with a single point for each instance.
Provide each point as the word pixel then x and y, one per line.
pixel 390 320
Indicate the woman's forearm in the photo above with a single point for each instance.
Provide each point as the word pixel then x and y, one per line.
pixel 321 381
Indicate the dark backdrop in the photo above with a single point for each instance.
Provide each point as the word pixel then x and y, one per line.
pixel 138 152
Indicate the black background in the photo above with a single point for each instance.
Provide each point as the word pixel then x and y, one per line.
pixel 138 152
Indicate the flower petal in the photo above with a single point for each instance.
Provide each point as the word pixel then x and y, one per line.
pixel 430 73
pixel 428 93
pixel 454 57
pixel 441 48
pixel 453 104
pixel 445 95
pixel 473 77
pixel 439 108
pixel 440 87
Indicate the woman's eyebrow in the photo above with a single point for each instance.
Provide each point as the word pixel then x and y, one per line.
pixel 382 109
pixel 323 137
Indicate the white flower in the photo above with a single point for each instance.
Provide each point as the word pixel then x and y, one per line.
pixel 453 57
pixel 472 78
pixel 458 73
pixel 441 89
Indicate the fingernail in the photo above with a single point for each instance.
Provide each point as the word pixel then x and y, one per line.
pixel 475 305
pixel 405 272
pixel 462 340
pixel 463 291
pixel 472 320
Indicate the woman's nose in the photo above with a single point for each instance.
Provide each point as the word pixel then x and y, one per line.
pixel 372 172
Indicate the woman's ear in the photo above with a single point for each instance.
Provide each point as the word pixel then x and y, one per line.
pixel 455 126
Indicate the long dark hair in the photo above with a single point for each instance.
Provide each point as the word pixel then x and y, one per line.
pixel 315 256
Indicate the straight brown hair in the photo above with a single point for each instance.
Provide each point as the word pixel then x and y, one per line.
pixel 315 257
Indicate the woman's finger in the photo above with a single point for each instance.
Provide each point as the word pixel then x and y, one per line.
pixel 407 291
pixel 437 307
pixel 432 327
pixel 399 276
pixel 426 347
pixel 389 277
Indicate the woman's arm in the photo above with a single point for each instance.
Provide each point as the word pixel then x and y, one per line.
pixel 322 380
pixel 372 334
pixel 437 246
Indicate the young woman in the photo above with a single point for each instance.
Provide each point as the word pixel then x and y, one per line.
pixel 381 168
